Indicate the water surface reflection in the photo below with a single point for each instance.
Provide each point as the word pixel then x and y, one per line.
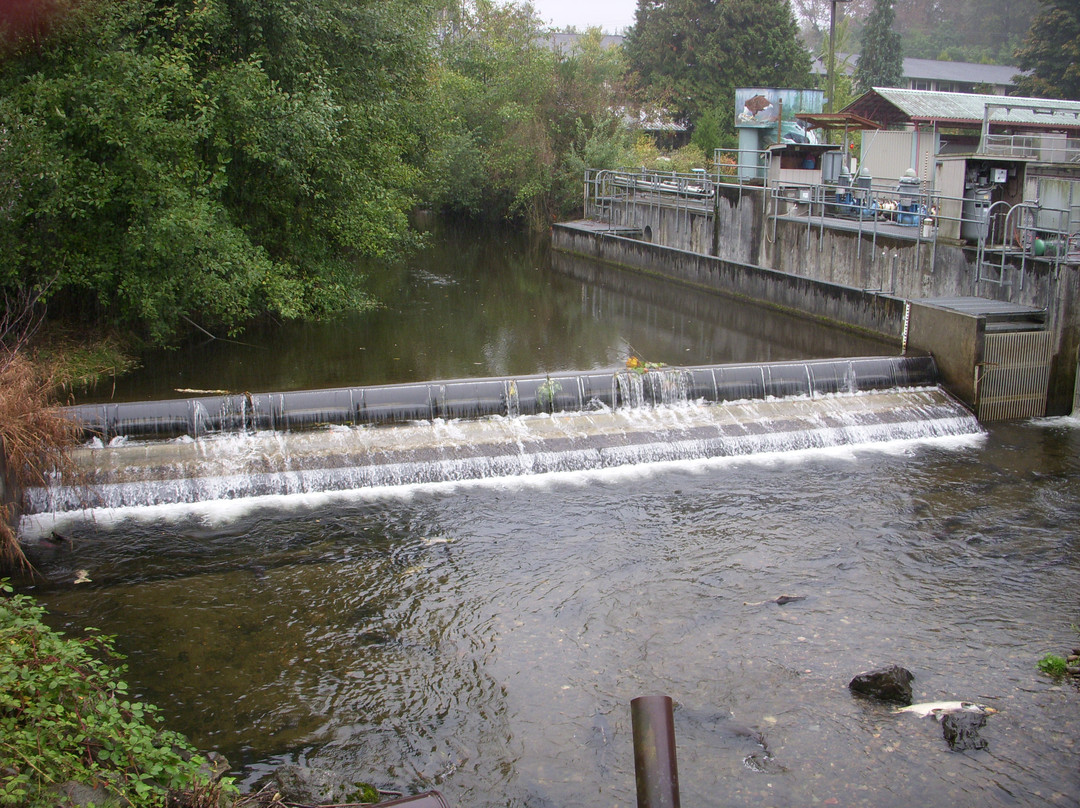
pixel 491 304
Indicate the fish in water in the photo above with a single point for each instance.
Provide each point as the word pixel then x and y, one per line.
pixel 600 741
pixel 780 601
pixel 938 709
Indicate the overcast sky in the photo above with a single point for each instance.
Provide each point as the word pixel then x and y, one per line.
pixel 611 15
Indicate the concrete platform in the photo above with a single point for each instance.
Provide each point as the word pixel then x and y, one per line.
pixel 595 227
pixel 881 227
pixel 997 314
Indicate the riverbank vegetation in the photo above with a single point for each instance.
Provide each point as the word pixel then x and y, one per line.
pixel 34 436
pixel 69 727
pixel 183 167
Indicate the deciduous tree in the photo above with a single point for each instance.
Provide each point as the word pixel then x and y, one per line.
pixel 515 120
pixel 204 161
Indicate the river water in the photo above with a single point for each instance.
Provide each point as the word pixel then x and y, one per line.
pixel 485 638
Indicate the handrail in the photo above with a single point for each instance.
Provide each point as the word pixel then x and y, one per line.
pixel 924 214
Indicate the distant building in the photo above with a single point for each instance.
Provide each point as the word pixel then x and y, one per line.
pixel 939 76
pixel 564 43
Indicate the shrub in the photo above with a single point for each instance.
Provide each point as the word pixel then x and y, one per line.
pixel 66 716
pixel 1053 665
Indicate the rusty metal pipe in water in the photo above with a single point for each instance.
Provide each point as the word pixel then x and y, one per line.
pixel 655 767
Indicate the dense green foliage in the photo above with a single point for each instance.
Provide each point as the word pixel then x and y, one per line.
pixel 881 63
pixel 66 716
pixel 182 166
pixel 1051 51
pixel 172 162
pixel 514 121
pixel 691 54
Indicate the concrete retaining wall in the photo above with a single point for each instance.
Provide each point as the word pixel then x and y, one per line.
pixel 851 278
pixel 840 305
pixel 956 342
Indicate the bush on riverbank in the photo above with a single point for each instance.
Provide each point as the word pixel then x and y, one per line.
pixel 66 717
pixel 34 438
pixel 39 364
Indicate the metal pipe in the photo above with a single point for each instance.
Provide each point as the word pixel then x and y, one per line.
pixel 655 767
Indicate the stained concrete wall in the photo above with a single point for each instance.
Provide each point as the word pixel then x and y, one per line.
pixel 839 305
pixel 956 342
pixel 688 226
pixel 744 235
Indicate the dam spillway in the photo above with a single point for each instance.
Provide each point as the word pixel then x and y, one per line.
pixel 597 420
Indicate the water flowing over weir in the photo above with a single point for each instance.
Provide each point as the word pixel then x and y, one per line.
pixel 246 446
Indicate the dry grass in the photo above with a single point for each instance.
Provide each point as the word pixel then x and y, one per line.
pixel 35 369
pixel 34 435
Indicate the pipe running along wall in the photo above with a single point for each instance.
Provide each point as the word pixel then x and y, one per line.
pixel 567 391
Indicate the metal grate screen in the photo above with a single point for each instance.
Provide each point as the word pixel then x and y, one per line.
pixel 1015 375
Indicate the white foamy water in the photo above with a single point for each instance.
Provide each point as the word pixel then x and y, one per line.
pixel 240 466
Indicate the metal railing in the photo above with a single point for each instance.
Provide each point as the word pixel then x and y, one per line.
pixel 1000 233
pixel 608 193
pixel 606 188
pixel 1040 148
pixel 741 167
pixel 1027 231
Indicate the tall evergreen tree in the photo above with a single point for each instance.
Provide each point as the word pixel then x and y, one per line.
pixel 881 62
pixel 1051 51
pixel 692 54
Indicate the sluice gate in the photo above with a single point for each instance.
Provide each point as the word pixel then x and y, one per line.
pixel 568 391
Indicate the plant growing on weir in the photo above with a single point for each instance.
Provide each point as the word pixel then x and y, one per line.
pixel 638 366
pixel 545 394
pixel 66 717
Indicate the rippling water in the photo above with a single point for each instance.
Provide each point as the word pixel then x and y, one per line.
pixel 485 639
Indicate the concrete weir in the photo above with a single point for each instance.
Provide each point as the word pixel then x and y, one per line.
pixel 598 421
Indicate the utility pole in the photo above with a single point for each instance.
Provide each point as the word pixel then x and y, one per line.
pixel 832 54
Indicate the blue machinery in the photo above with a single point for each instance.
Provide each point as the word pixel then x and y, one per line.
pixel 855 200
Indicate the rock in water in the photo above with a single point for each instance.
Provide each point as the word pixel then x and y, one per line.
pixel 961 730
pixel 891 683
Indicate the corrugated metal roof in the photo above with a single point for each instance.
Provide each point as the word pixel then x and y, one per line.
pixel 959 71
pixel 931 69
pixel 926 105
